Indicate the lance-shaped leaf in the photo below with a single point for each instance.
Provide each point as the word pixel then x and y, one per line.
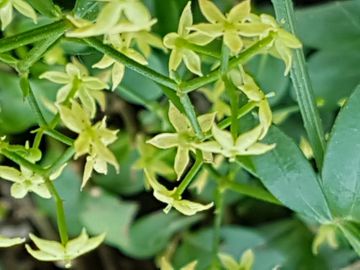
pixel 289 177
pixel 341 171
pixel 8 242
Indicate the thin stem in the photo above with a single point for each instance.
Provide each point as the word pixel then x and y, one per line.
pixel 305 95
pixel 191 115
pixel 38 51
pixel 69 152
pixel 242 58
pixel 202 50
pixel 190 175
pixel 42 32
pixel 219 207
pixel 60 213
pixel 36 108
pixel 131 64
pixel 22 162
pixel 243 189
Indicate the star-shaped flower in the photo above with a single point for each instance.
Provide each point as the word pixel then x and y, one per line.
pixel 6 11
pixel 283 42
pixel 231 26
pixel 9 242
pixel 169 197
pixel 55 251
pixel 78 83
pixel 184 138
pixel 246 144
pixel 245 263
pixel 92 140
pixel 26 181
pixel 117 16
pixel 177 43
pixel 122 44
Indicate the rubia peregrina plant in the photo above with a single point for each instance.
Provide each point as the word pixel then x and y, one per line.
pixel 121 32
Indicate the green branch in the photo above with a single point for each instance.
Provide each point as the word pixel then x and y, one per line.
pixel 300 77
pixel 31 36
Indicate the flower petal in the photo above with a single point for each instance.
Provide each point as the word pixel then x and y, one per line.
pixel 228 262
pixel 82 144
pixel 165 140
pixel 51 247
pixel 265 116
pixel 259 148
pixel 181 161
pixel 248 138
pixel 170 40
pixel 199 38
pixel 117 74
pixel 224 138
pixel 6 15
pixel 25 9
pixel 104 62
pixel 239 12
pixel 186 20
pixel 211 30
pixel 190 208
pixel 89 165
pixel 9 173
pixel 41 190
pixel 233 41
pixel 175 59
pixel 42 255
pixel 211 11
pixel 206 121
pixel 210 146
pixel 18 190
pixel 192 61
pixel 56 77
pixel 94 83
pixel 177 119
pixel 8 242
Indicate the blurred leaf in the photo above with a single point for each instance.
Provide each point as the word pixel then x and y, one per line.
pixel 334 74
pixel 330 25
pixel 152 233
pixel 86 9
pixel 341 178
pixel 289 177
pixel 106 213
pixel 168 14
pixel 351 232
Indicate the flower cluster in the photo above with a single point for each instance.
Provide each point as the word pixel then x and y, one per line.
pixel 6 11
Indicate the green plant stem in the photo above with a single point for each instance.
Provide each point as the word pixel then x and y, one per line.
pixel 34 35
pixel 219 208
pixel 131 64
pixel 242 58
pixel 191 115
pixel 202 50
pixel 60 213
pixel 243 189
pixel 300 77
pixel 36 108
pixel 22 162
pixel 65 157
pixel 189 176
pixel 38 51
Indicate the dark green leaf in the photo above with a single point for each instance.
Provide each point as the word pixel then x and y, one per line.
pixel 352 233
pixel 45 7
pixel 86 9
pixel 289 177
pixel 341 172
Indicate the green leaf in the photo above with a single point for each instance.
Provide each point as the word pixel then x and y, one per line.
pixel 45 7
pixel 289 177
pixel 331 25
pixel 152 233
pixel 341 172
pixel 86 9
pixel 106 213
pixel 332 70
pixel 352 234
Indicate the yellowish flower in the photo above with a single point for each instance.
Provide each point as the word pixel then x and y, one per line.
pixel 55 251
pixel 26 181
pixel 169 197
pixel 283 40
pixel 246 144
pixel 122 44
pixel 230 26
pixel 184 138
pixel 177 43
pixel 246 261
pixel 92 140
pixel 325 234
pixel 9 242
pixel 78 83
pixel 165 265
pixel 144 40
pixel 117 16
pixel 6 11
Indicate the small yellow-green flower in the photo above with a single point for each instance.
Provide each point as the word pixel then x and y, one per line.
pixel 117 16
pixel 247 85
pixel 6 11
pixel 78 83
pixel 177 43
pixel 92 140
pixel 184 138
pixel 55 251
pixel 164 195
pixel 144 40
pixel 231 26
pixel 283 40
pixel 26 181
pixel 122 44
pixel 246 144
pixel 9 242
pixel 165 265
pixel 245 263
pixel 325 234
